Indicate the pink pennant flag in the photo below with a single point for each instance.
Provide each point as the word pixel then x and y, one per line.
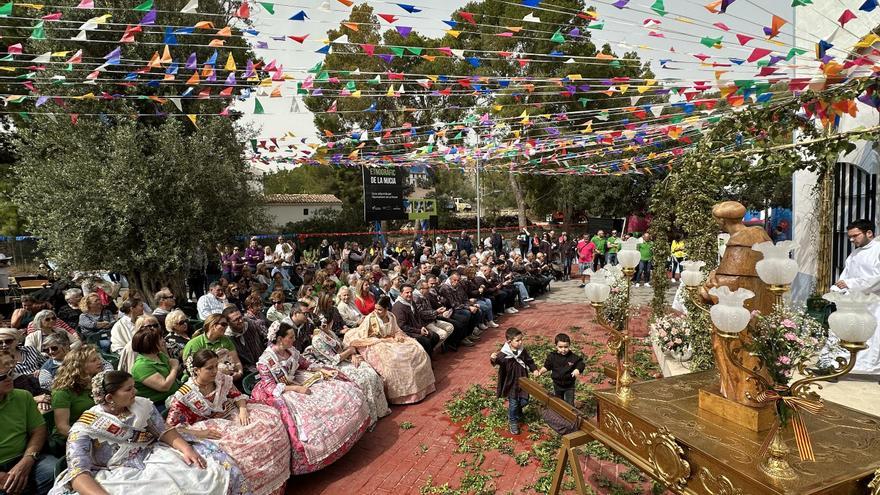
pixel 86 4
pixel 721 26
pixel 14 49
pixel 55 16
pixel 368 49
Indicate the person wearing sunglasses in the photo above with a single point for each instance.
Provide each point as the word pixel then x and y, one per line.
pixel 28 361
pixel 214 338
pixel 156 376
pixel 22 468
pixel 56 346
pixel 46 323
pixel 178 334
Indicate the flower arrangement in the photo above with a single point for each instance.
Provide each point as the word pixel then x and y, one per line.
pixel 617 305
pixel 785 339
pixel 671 333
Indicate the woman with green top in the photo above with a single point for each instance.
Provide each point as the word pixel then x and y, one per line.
pixel 215 339
pixel 72 392
pixel 155 374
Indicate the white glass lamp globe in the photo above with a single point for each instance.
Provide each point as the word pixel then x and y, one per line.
pixel 853 322
pixel 776 268
pixel 729 316
pixel 629 256
pixel 692 276
pixel 597 290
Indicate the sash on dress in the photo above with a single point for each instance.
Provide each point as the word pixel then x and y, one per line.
pixel 107 427
pixel 191 397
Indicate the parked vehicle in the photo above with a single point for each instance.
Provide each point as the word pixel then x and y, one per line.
pixel 461 204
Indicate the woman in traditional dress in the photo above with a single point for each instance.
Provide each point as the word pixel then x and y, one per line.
pixel 327 349
pixel 399 359
pixel 121 445
pixel 210 407
pixel 324 412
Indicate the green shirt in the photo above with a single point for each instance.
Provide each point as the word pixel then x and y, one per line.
pixel 19 416
pixel 612 244
pixel 202 342
pixel 600 244
pixel 646 249
pixel 78 403
pixel 144 368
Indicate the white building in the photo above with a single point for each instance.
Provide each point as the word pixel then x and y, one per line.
pixel 284 208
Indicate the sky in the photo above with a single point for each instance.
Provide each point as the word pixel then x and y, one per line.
pixel 683 26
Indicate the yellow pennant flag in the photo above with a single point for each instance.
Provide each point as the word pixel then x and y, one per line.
pixel 192 118
pixel 453 33
pixel 525 118
pixel 166 56
pixel 230 63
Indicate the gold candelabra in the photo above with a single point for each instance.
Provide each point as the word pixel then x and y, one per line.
pixel 619 341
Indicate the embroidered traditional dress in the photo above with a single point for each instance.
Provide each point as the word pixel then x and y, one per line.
pixel 260 448
pixel 125 457
pixel 325 350
pixel 322 425
pixel 404 365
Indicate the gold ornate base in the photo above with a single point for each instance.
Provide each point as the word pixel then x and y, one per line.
pixel 775 464
pixel 752 418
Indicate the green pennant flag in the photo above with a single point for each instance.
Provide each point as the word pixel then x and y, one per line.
pixel 6 9
pixel 316 68
pixel 676 119
pixel 659 8
pixel 714 119
pixel 258 108
pixel 415 50
pixel 712 42
pixel 7 58
pixel 25 116
pixel 374 81
pixel 583 101
pixel 323 77
pixel 39 33
pixel 558 37
pixel 397 50
pixel 300 90
pixel 145 7
pixel 794 52
pixel 254 145
pixel 801 3
pixel 615 64
pixel 270 7
pixel 597 25
pixel 350 86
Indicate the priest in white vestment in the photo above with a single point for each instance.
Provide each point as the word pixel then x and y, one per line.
pixel 861 273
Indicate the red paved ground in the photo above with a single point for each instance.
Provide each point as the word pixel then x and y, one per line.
pixel 391 460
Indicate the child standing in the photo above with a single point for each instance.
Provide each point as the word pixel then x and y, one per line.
pixel 565 366
pixel 513 362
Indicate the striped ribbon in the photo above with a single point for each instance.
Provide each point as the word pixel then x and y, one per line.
pixel 797 406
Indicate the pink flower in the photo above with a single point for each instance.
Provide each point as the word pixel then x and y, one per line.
pixel 755 313
pixel 784 360
pixel 662 333
pixel 788 323
pixel 677 341
pixel 790 336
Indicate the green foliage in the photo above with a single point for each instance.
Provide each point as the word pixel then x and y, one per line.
pixel 136 199
pixel 406 425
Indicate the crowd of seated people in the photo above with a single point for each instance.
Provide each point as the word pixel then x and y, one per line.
pixel 264 377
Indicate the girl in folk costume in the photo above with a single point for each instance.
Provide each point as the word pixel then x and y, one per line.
pixel 328 349
pixel 122 446
pixel 400 360
pixel 210 407
pixel 325 413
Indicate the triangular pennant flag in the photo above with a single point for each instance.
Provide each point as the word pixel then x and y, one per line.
pixel 38 32
pixel 659 7
pixel 390 18
pixel 404 30
pixel 869 5
pixel 244 11
pixel 86 4
pixel 190 7
pixel 258 107
pixel 845 17
pixel 270 8
pixel 148 19
pixel 6 9
pixel 558 37
pixel 230 63
pixel 299 16
pixel 166 56
pixel 147 5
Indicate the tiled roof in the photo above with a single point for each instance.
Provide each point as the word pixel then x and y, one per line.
pixel 302 199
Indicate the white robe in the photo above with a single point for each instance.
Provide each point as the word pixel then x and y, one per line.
pixel 861 273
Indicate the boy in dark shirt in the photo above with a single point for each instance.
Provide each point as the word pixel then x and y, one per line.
pixel 564 366
pixel 513 362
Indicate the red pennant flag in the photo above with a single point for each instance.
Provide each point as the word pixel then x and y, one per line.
pixel 299 39
pixel 468 17
pixel 743 38
pixel 758 53
pixel 845 17
pixel 391 19
pixel 244 11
